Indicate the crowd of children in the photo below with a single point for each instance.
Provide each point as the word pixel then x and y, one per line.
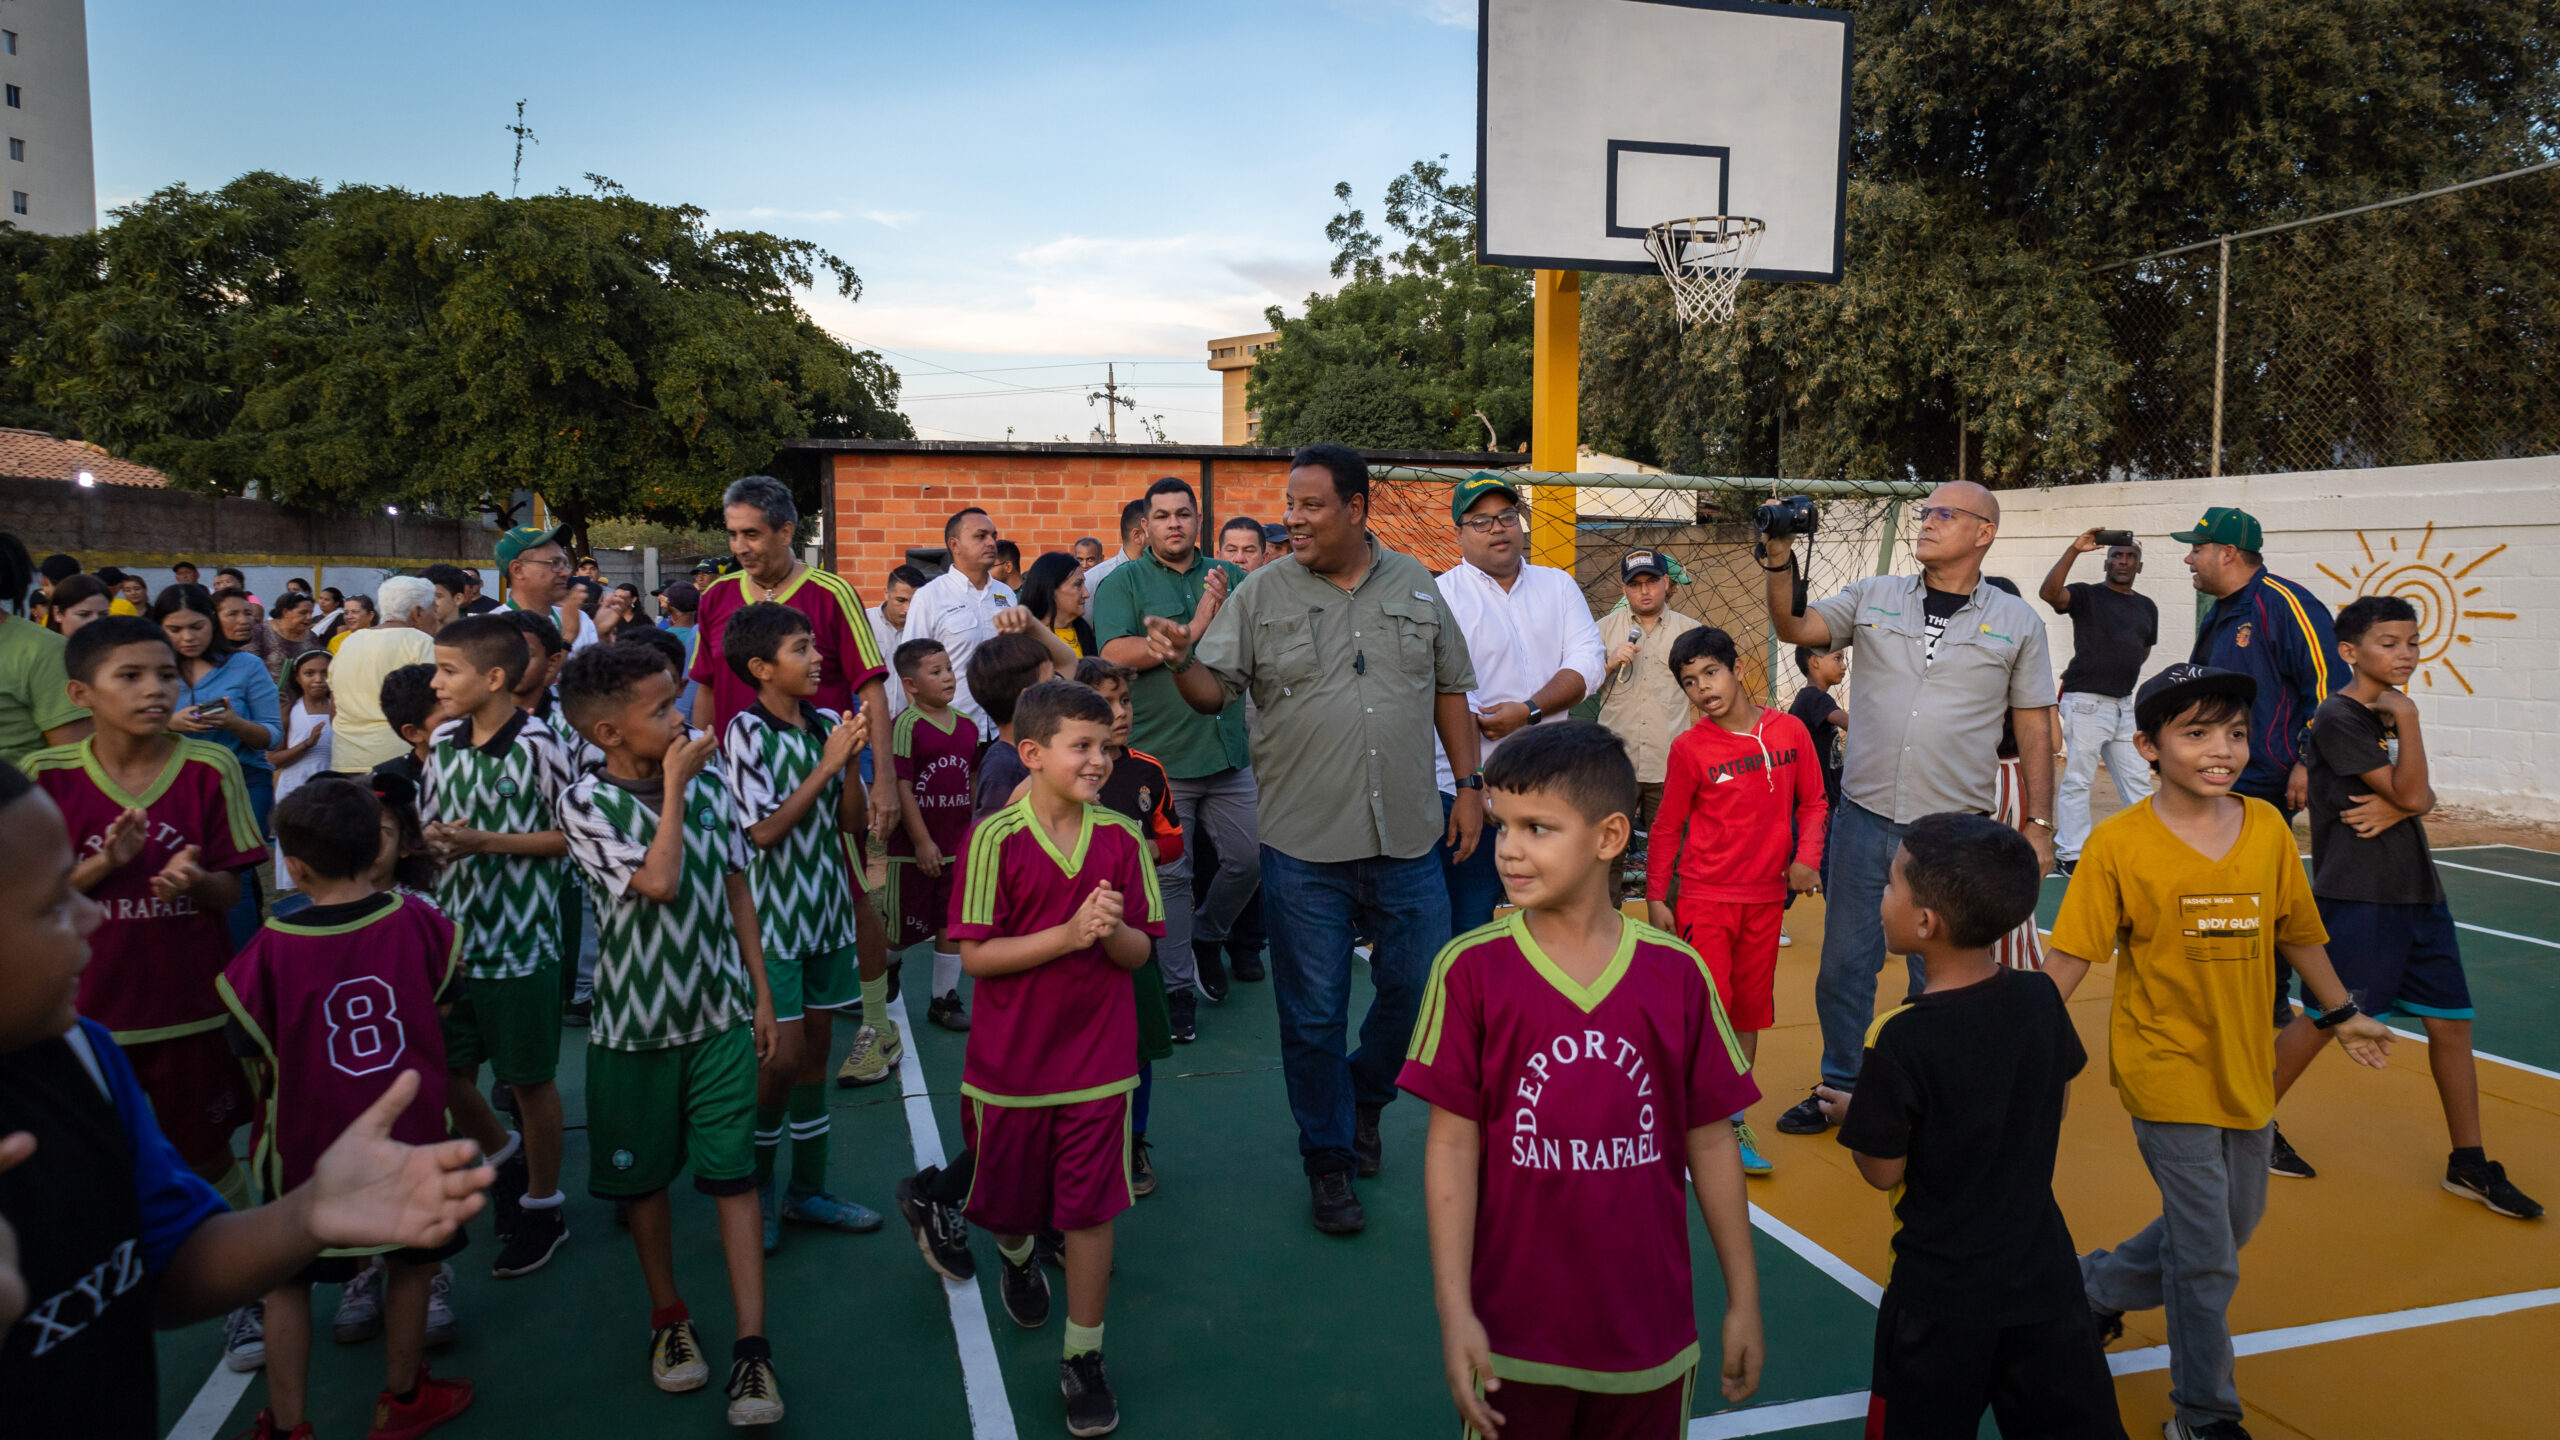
pixel 1577 1062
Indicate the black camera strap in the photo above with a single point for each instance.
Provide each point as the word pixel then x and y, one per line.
pixel 1803 595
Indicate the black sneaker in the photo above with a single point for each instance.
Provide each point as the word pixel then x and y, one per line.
pixel 1245 964
pixel 506 1196
pixel 2217 1430
pixel 1805 1117
pixel 1334 1205
pixel 2282 1161
pixel 539 1231
pixel 1091 1407
pixel 578 1014
pixel 1026 1290
pixel 940 1232
pixel 1213 973
pixel 946 1012
pixel 2486 1182
pixel 2064 865
pixel 1182 1015
pixel 1142 1168
pixel 1367 1150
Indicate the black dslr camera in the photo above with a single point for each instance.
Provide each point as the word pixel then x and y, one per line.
pixel 1793 515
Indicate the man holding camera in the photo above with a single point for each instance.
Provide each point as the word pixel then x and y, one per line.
pixel 1944 657
pixel 2113 628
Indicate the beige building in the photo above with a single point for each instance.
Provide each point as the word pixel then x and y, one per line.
pixel 48 177
pixel 1234 358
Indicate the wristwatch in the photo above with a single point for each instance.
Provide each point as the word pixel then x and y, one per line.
pixel 1536 714
pixel 2040 820
pixel 1470 782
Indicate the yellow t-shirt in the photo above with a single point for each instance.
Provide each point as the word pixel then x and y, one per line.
pixel 1068 634
pixel 2190 1041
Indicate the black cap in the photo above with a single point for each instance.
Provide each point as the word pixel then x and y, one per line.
pixel 1275 533
pixel 1642 562
pixel 2174 689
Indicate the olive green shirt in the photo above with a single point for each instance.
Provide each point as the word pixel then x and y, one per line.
pixel 1190 745
pixel 1346 683
pixel 33 693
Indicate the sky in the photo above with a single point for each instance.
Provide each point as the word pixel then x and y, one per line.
pixel 1028 190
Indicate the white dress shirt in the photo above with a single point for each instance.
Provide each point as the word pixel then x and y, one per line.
pixel 1520 638
pixel 947 608
pixel 889 639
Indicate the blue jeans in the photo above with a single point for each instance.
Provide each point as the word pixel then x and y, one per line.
pixel 1475 885
pixel 1402 907
pixel 1844 994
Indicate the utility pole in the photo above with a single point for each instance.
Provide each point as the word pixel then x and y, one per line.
pixel 1110 392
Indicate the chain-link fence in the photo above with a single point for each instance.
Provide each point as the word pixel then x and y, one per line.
pixel 1703 524
pixel 2401 334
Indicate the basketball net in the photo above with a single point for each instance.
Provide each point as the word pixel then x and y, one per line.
pixel 1704 259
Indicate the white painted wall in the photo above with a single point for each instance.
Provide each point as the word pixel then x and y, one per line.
pixel 2475 546
pixel 51 70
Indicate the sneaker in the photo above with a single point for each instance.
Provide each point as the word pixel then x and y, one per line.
pixel 1368 1151
pixel 1805 1117
pixel 874 1058
pixel 2282 1161
pixel 1050 1248
pixel 754 1398
pixel 1213 974
pixel 1026 1291
pixel 1182 1014
pixel 359 1316
pixel 1334 1205
pixel 2485 1182
pixel 506 1196
pixel 578 1014
pixel 2063 865
pixel 946 1012
pixel 940 1232
pixel 1142 1169
pixel 244 1338
pixel 1245 964
pixel 264 1428
pixel 1785 940
pixel 2218 1430
pixel 817 1207
pixel 434 1402
pixel 1753 1162
pixel 675 1359
pixel 1091 1407
pixel 443 1326
pixel 768 1206
pixel 538 1236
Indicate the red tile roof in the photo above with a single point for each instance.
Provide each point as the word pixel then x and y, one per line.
pixel 35 455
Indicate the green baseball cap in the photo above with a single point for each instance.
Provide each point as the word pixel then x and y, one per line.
pixel 2225 525
pixel 1475 487
pixel 522 538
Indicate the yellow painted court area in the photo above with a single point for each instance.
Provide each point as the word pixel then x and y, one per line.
pixel 2374 1234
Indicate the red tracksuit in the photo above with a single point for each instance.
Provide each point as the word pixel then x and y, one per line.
pixel 1736 809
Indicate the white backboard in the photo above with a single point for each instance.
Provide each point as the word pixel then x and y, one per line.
pixel 1598 118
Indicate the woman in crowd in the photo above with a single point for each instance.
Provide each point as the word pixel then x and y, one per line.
pixel 356 614
pixel 75 602
pixel 1053 591
pixel 229 700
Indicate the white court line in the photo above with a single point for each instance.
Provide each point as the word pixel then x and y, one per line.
pixel 2482 1055
pixel 981 1377
pixel 2506 935
pixel 1850 1405
pixel 209 1413
pixel 2501 874
pixel 1820 1259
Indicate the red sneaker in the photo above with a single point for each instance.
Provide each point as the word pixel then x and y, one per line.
pixel 264 1428
pixel 437 1402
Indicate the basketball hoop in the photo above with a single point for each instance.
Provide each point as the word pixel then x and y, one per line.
pixel 1704 259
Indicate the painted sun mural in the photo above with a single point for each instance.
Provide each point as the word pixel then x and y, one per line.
pixel 2437 586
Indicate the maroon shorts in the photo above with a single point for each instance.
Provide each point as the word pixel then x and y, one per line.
pixel 1554 1412
pixel 920 904
pixel 1739 942
pixel 1042 1167
pixel 199 1093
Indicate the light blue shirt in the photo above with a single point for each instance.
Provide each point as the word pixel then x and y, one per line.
pixel 243 680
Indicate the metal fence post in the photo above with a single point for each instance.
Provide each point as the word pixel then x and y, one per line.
pixel 2221 344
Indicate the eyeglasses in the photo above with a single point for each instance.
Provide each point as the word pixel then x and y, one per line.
pixel 1943 513
pixel 1488 524
pixel 558 564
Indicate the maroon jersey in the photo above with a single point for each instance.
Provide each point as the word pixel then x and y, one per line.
pixel 153 962
pixel 941 767
pixel 1068 1030
pixel 1586 1098
pixel 850 652
pixel 339 999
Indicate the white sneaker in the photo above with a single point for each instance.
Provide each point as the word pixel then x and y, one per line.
pixel 359 1316
pixel 244 1338
pixel 1785 940
pixel 443 1326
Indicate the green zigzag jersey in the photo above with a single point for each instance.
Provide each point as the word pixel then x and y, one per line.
pixel 804 891
pixel 665 974
pixel 505 908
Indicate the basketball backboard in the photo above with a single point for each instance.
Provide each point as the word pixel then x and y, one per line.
pixel 1598 118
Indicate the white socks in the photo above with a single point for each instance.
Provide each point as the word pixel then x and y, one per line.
pixel 946 973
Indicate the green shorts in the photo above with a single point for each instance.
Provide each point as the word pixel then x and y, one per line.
pixel 828 980
pixel 513 1025
pixel 653 1113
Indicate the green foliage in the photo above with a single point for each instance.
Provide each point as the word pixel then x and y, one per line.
pixel 2003 149
pixel 1421 347
pixel 369 346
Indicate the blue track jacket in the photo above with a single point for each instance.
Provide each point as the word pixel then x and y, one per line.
pixel 2275 632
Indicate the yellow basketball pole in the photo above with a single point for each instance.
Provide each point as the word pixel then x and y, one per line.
pixel 1555 390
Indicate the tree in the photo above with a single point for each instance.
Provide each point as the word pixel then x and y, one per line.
pixel 1999 152
pixel 1421 347
pixel 370 345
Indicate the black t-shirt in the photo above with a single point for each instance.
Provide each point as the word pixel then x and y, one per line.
pixel 1813 709
pixel 1968 1085
pixel 481 606
pixel 2393 868
pixel 1937 607
pixel 2111 635
pixel 1000 768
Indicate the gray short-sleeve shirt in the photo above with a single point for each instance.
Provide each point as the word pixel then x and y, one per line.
pixel 1924 735
pixel 1345 683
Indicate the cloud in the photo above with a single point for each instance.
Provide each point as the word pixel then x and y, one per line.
pixel 1289 281
pixel 894 219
